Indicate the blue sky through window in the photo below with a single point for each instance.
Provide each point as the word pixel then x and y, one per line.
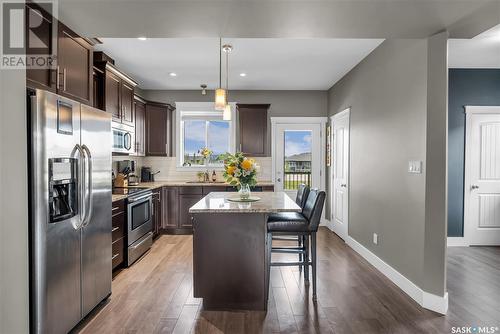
pixel 297 142
pixel 212 134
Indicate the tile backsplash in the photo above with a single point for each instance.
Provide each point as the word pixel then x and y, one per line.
pixel 169 172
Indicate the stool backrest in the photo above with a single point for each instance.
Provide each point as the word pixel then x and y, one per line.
pixel 302 193
pixel 313 208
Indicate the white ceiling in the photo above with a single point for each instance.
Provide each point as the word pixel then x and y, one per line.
pixel 270 63
pixel 482 51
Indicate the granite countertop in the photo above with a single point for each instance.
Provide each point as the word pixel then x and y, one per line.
pixel 270 202
pixel 159 184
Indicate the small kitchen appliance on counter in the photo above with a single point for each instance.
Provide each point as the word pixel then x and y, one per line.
pixel 147 175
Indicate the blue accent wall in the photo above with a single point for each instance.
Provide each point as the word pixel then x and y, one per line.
pixel 467 87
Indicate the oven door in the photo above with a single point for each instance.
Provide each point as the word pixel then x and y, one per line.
pixel 122 141
pixel 139 219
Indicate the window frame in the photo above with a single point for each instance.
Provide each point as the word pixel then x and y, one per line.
pixel 200 107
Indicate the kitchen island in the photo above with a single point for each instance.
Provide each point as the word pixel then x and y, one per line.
pixel 231 249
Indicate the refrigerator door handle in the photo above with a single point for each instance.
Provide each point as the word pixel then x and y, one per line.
pixel 81 182
pixel 90 195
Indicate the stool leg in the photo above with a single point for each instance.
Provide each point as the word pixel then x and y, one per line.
pixel 314 260
pixel 306 259
pixel 299 240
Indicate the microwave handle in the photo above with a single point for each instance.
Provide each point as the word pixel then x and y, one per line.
pixel 129 141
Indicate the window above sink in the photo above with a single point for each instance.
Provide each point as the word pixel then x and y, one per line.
pixel 199 126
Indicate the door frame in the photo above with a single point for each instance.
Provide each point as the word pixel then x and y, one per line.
pixel 301 120
pixel 469 111
pixel 346 113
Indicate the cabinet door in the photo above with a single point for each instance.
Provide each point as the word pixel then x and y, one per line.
pixel 42 28
pixel 185 202
pixel 127 103
pixel 75 62
pixel 170 207
pixel 112 95
pixel 253 129
pixel 158 125
pixel 140 128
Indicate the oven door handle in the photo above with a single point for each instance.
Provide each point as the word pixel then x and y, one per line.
pixel 140 198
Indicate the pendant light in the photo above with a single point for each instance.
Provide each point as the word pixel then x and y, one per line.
pixel 226 115
pixel 220 93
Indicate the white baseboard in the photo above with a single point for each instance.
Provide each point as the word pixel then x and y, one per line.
pixel 427 300
pixel 457 242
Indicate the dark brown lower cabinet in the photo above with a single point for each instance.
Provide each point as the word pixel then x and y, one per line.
pixel 118 233
pixel 157 212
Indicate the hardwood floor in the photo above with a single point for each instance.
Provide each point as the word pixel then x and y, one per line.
pixel 155 296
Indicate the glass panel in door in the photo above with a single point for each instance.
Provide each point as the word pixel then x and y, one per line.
pixel 297 158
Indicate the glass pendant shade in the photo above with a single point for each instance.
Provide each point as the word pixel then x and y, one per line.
pixel 226 116
pixel 220 99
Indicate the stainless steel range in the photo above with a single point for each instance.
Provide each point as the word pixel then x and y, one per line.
pixel 139 221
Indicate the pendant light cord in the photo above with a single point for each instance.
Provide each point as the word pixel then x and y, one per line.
pixel 220 62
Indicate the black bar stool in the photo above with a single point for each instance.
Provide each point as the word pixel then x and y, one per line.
pixel 300 199
pixel 305 228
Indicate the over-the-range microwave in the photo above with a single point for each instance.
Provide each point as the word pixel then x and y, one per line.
pixel 123 138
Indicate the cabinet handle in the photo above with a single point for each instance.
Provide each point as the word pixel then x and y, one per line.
pixel 58 83
pixel 64 79
pixel 240 147
pixel 115 228
pixel 115 208
pixel 114 256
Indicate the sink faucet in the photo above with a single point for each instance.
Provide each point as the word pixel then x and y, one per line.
pixel 206 177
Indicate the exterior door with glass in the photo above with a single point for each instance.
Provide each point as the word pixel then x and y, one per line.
pixel 297 157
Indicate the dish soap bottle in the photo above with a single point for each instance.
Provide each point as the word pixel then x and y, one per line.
pixel 214 176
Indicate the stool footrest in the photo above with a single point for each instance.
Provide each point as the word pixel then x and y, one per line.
pixel 285 264
pixel 286 238
pixel 291 250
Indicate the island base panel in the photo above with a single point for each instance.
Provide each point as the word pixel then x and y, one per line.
pixel 230 260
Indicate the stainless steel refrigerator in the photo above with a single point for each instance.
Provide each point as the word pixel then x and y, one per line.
pixel 70 197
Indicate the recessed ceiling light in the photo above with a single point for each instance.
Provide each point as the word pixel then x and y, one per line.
pixel 243 74
pixel 142 38
pixel 172 74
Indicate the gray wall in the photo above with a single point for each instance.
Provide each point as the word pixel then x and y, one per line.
pixel 13 204
pixel 283 103
pixel 387 93
pixel 466 87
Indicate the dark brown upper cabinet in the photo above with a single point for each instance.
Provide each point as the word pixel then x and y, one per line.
pixel 72 73
pixel 140 126
pixel 45 31
pixel 158 129
pixel 253 128
pixel 74 76
pixel 118 92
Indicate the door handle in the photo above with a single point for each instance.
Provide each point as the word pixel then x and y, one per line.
pixel 64 79
pixel 90 197
pixel 81 182
pixel 473 187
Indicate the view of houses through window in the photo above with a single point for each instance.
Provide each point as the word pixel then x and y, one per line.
pixel 298 151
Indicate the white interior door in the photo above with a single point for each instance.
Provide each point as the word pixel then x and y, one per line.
pixel 297 157
pixel 482 181
pixel 340 174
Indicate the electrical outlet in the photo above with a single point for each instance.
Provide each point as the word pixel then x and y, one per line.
pixel 415 167
pixel 375 238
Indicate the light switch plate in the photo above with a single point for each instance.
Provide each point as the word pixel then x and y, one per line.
pixel 415 167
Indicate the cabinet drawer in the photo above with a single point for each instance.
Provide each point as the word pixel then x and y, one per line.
pixel 117 207
pixel 118 252
pixel 117 231
pixel 191 190
pixel 118 219
pixel 267 188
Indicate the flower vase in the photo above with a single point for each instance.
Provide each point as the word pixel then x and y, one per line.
pixel 244 192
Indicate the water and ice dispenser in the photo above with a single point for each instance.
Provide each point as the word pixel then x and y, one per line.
pixel 63 188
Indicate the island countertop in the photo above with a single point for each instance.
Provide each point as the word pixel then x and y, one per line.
pixel 270 202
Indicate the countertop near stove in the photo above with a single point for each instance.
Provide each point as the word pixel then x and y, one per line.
pixel 159 184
